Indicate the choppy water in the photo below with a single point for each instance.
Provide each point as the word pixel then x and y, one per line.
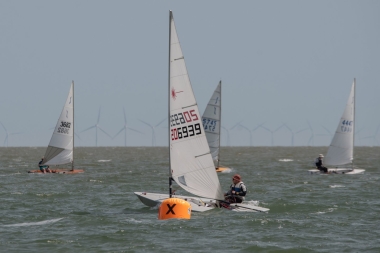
pixel 97 211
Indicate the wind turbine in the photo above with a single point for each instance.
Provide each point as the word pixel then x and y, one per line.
pixel 6 140
pixel 311 139
pixel 328 131
pixel 373 137
pixel 294 133
pixel 228 136
pixel 125 128
pixel 96 126
pixel 153 130
pixel 228 132
pixel 272 132
pixel 250 133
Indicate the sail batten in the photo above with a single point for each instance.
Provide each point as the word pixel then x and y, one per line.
pixel 341 149
pixel 60 148
pixel 191 163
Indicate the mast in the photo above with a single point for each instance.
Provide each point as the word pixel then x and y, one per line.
pixel 170 32
pixel 353 130
pixel 220 118
pixel 72 162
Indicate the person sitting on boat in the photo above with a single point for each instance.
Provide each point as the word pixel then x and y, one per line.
pixel 43 168
pixel 319 164
pixel 237 190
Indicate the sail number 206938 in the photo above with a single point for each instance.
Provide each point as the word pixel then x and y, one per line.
pixel 180 132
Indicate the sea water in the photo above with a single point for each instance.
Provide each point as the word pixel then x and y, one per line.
pixel 97 211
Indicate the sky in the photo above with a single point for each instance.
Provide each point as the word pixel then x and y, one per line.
pixel 285 65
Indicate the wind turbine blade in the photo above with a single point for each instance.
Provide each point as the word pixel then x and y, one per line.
pixel 266 128
pixel 137 131
pixel 5 140
pixel 160 122
pixel 87 129
pixel 300 131
pixel 3 127
pixel 326 129
pixel 146 123
pixel 77 136
pixel 287 127
pixel 125 117
pixel 98 115
pixel 104 132
pixel 15 133
pixel 121 130
pixel 258 126
pixel 278 128
pixel 236 124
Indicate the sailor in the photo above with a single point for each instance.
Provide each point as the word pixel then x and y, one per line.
pixel 237 190
pixel 319 164
pixel 43 168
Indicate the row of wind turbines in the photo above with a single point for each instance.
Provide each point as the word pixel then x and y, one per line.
pixel 237 127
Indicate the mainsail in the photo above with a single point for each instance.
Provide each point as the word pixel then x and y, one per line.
pixel 60 149
pixel 341 149
pixel 191 164
pixel 211 123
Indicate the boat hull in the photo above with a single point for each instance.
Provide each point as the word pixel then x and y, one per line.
pixel 221 169
pixel 58 171
pixel 197 204
pixel 347 171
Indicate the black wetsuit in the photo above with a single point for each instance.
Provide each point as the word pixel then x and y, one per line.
pixel 318 163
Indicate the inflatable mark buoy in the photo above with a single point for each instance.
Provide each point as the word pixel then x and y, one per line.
pixel 174 208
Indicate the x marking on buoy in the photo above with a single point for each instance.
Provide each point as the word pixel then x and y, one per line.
pixel 170 209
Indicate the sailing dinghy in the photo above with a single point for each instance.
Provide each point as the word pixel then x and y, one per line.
pixel 211 120
pixel 61 147
pixel 190 163
pixel 339 157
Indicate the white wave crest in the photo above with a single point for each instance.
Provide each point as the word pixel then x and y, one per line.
pixel 285 160
pixel 337 186
pixel 39 223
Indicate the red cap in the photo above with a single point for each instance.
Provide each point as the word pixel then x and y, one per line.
pixel 237 177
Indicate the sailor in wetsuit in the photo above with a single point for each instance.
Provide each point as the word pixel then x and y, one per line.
pixel 319 164
pixel 237 190
pixel 43 168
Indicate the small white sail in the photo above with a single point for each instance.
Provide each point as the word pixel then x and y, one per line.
pixel 211 123
pixel 60 149
pixel 190 159
pixel 341 149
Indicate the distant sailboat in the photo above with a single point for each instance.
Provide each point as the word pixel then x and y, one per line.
pixel 190 162
pixel 211 120
pixel 341 149
pixel 61 147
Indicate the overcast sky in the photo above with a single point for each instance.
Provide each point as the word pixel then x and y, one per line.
pixel 280 62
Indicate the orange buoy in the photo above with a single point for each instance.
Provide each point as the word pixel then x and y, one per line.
pixel 174 208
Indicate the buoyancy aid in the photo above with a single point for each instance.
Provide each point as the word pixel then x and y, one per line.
pixel 239 188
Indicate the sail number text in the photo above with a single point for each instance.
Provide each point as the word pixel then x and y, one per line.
pixel 64 128
pixel 209 124
pixel 180 132
pixel 346 126
pixel 182 118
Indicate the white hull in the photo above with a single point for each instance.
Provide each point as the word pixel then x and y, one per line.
pixel 197 204
pixel 347 171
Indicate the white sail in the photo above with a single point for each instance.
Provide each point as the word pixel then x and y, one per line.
pixel 191 163
pixel 341 149
pixel 60 149
pixel 211 123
